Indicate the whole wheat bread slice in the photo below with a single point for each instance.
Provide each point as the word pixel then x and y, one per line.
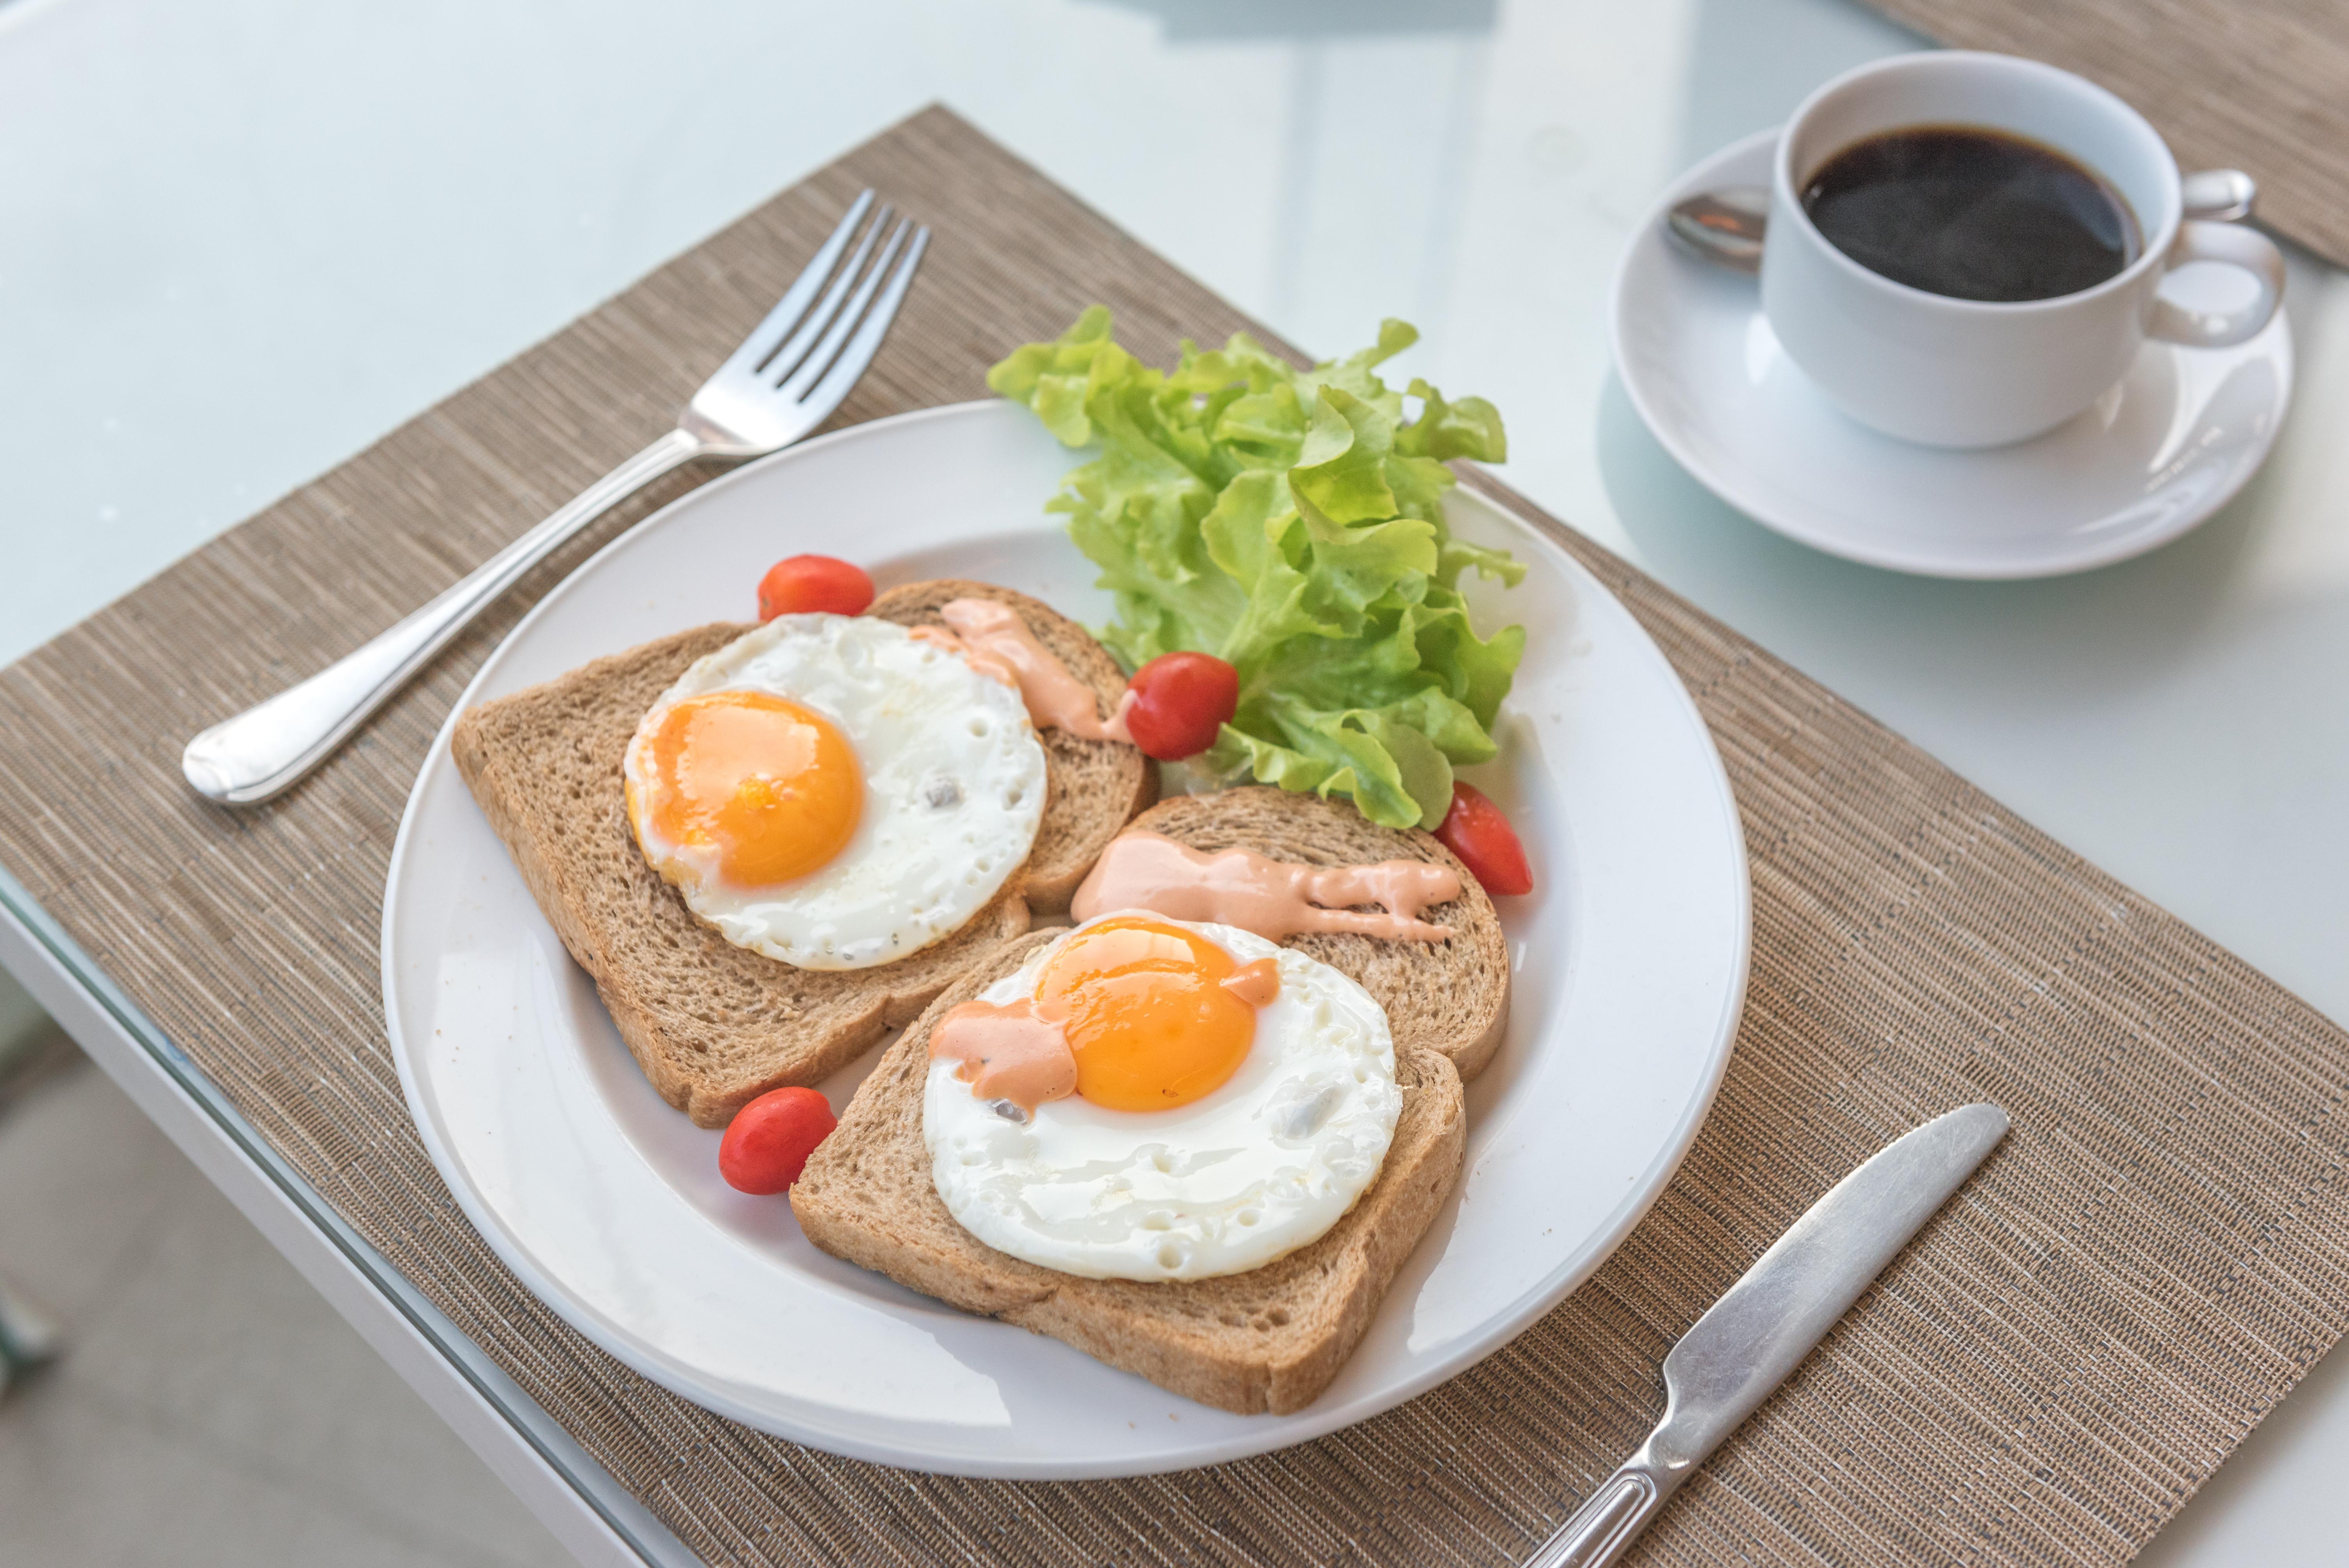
pixel 713 1026
pixel 1096 785
pixel 1451 997
pixel 1269 1339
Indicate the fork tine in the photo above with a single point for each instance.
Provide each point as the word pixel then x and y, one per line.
pixel 759 346
pixel 821 357
pixel 794 353
pixel 825 395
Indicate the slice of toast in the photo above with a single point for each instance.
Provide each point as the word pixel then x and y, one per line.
pixel 1451 997
pixel 713 1026
pixel 1096 785
pixel 1269 1339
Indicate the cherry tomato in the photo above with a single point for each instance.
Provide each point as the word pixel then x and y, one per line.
pixel 804 584
pixel 768 1143
pixel 1180 700
pixel 1476 830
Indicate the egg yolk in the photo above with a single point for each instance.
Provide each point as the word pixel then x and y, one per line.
pixel 1149 1022
pixel 773 786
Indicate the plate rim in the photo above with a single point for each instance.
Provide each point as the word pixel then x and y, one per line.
pixel 1914 563
pixel 1534 1303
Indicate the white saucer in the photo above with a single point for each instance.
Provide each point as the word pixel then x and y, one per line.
pixel 2157 455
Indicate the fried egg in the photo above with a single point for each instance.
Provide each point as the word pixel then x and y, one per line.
pixel 1207 1135
pixel 831 791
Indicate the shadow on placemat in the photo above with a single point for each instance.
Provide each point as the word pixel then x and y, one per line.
pixel 2157 1253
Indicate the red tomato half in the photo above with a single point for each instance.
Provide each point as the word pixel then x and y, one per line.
pixel 1180 701
pixel 768 1143
pixel 1476 830
pixel 810 584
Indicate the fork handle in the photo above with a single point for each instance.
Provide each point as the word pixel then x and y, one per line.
pixel 270 746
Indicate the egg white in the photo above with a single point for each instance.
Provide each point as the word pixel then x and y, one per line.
pixel 954 788
pixel 1264 1165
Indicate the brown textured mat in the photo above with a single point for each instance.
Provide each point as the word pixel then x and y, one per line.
pixel 2158 1252
pixel 2256 85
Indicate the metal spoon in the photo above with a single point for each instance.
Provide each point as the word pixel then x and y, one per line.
pixel 1727 225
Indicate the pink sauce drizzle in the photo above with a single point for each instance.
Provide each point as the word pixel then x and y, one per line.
pixel 1274 898
pixel 1013 1051
pixel 1256 984
pixel 946 642
pixel 1018 1051
pixel 997 643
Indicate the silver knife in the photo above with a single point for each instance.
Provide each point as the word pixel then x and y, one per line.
pixel 1758 1332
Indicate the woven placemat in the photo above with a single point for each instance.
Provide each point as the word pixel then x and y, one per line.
pixel 2158 1252
pixel 2256 85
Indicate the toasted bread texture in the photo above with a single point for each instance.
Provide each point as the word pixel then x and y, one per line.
pixel 1451 997
pixel 1269 1339
pixel 1097 785
pixel 712 1025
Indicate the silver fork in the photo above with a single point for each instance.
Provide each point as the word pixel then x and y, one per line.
pixel 788 375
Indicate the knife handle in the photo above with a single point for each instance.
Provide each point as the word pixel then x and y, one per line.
pixel 1612 1518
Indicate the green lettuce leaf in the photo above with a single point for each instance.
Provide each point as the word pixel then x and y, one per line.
pixel 1290 522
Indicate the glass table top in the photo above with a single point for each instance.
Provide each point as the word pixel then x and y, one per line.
pixel 241 239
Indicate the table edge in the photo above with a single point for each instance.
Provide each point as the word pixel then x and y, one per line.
pixel 601 1523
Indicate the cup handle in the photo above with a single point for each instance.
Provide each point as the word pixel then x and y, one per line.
pixel 2236 246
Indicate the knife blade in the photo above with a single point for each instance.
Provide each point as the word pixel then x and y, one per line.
pixel 1764 1324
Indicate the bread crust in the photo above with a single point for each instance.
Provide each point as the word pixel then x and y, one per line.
pixel 1452 998
pixel 714 1025
pixel 1271 1339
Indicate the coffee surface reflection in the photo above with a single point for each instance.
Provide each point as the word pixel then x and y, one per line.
pixel 1971 213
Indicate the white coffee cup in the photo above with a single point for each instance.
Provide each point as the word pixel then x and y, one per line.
pixel 1950 372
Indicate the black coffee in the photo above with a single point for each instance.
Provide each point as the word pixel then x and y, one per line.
pixel 1971 213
